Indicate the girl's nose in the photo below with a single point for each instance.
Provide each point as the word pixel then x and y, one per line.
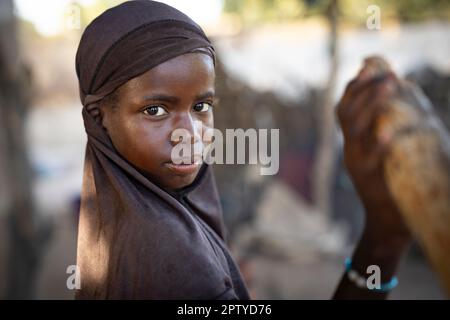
pixel 187 128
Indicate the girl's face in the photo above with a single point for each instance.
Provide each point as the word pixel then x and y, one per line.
pixel 177 94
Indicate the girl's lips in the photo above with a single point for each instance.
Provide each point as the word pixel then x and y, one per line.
pixel 183 169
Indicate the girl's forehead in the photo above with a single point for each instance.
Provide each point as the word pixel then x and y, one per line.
pixel 181 70
pixel 187 77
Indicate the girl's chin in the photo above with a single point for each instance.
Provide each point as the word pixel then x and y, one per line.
pixel 174 178
pixel 176 182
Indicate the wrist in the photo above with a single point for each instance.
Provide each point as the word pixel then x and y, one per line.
pixel 384 241
pixel 380 250
pixel 385 226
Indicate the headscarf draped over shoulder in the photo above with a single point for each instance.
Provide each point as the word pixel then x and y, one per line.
pixel 136 240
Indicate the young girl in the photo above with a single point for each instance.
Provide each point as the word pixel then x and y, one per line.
pixel 151 228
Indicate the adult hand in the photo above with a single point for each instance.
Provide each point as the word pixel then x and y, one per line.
pixel 364 151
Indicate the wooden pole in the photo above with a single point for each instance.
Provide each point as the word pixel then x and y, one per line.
pixel 326 153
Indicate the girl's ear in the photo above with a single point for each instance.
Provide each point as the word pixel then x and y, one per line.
pixel 97 112
pixel 105 107
pixel 101 119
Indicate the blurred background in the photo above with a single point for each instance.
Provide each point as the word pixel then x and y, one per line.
pixel 283 64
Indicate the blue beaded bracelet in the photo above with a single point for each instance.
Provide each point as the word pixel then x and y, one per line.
pixel 360 281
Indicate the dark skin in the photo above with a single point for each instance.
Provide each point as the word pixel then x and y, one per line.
pixel 175 94
pixel 180 91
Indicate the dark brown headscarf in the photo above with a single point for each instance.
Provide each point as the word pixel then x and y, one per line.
pixel 136 240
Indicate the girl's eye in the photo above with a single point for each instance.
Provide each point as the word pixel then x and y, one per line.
pixel 202 107
pixel 155 111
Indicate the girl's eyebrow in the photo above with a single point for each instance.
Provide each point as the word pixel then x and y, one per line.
pixel 207 95
pixel 174 99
